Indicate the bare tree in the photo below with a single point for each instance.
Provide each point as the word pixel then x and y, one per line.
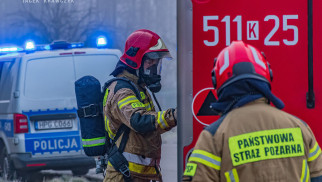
pixel 57 21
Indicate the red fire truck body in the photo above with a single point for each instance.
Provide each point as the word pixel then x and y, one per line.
pixel 288 32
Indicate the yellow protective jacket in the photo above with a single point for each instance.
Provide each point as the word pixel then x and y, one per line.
pixel 256 142
pixel 143 148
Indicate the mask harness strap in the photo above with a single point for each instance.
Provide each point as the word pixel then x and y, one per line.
pixel 155 98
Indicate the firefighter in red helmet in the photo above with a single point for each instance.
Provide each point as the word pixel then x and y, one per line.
pixel 128 103
pixel 145 46
pixel 252 140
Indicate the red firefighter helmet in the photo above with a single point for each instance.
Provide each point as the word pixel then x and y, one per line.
pixel 240 61
pixel 143 43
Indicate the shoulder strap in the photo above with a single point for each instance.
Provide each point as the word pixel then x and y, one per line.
pixel 134 87
pixel 94 110
pixel 123 129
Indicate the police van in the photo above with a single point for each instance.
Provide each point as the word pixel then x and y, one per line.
pixel 39 127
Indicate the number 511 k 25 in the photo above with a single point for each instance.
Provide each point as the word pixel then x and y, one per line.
pixel 252 29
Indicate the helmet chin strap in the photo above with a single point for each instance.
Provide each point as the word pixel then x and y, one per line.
pixel 156 100
pixel 138 72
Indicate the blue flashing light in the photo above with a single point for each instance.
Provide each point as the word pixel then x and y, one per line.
pixel 10 49
pixel 77 45
pixel 101 41
pixel 42 47
pixel 47 47
pixel 30 45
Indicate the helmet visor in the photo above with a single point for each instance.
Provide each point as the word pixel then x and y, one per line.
pixel 159 55
pixel 152 67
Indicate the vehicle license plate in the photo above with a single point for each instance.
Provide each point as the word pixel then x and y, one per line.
pixel 53 124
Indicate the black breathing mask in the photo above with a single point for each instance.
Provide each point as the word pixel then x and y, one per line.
pixel 150 72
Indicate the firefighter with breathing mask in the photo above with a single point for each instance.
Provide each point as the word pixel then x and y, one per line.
pixel 252 140
pixel 140 66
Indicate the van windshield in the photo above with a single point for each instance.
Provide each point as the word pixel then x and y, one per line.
pixel 53 78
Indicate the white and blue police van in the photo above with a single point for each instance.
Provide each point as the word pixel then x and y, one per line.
pixel 39 127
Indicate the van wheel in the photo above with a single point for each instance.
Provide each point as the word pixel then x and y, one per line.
pixel 7 169
pixel 80 172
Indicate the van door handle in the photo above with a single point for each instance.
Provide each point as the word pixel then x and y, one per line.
pixel 16 94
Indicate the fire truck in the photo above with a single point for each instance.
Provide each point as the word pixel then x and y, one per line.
pixel 288 32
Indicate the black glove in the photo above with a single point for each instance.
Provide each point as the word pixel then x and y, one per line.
pixel 174 113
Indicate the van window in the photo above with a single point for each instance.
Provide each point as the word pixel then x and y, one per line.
pixel 7 72
pixel 99 66
pixel 49 78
